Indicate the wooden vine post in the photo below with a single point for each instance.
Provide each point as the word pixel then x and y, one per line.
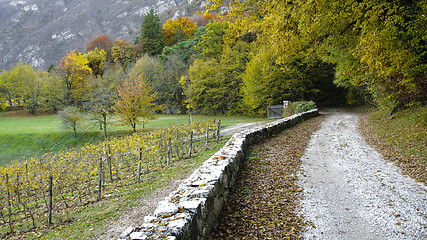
pixel 50 203
pixel 217 131
pixel 138 176
pixel 177 146
pixel 9 203
pixel 99 179
pixel 191 144
pixel 109 163
pixel 206 138
pixel 169 151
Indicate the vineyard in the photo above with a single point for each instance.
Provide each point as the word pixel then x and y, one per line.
pixel 32 191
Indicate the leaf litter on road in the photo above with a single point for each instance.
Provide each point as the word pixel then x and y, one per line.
pixel 264 203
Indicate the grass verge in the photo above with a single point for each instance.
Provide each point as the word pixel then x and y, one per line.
pixel 401 138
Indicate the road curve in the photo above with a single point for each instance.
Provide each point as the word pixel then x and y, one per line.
pixel 350 192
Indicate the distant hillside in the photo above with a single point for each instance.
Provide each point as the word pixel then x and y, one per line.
pixel 41 32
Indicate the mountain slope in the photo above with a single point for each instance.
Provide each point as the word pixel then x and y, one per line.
pixel 41 32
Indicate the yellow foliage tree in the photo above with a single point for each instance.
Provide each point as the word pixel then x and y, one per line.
pixel 135 101
pixel 178 30
pixel 75 69
pixel 123 53
pixel 96 61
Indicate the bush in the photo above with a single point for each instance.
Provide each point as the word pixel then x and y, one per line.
pixel 298 107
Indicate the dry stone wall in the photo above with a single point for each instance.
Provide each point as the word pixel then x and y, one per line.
pixel 191 211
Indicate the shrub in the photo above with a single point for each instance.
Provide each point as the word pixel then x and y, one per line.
pixel 298 107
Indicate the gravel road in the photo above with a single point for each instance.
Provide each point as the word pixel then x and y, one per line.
pixel 350 192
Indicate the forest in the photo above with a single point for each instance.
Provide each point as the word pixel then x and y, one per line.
pixel 256 54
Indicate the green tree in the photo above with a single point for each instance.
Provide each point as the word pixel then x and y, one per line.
pixel 20 86
pixel 71 118
pixel 262 84
pixel 134 100
pixel 212 40
pixel 151 38
pixel 100 101
pixel 185 50
pixel 216 84
pixel 150 67
pixel 54 91
pixel 170 91
pixel 206 93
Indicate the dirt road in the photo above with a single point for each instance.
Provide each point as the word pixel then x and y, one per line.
pixel 351 193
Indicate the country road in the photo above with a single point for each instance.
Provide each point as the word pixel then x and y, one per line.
pixel 350 192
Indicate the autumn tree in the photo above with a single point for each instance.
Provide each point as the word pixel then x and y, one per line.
pixel 178 30
pixel 202 20
pixel 74 68
pixel 375 45
pixel 101 42
pixel 151 38
pixel 96 61
pixel 184 50
pixel 123 53
pixel 134 100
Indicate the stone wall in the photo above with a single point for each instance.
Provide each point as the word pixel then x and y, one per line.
pixel 191 211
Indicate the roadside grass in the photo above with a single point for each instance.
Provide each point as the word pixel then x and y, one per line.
pixel 402 138
pixel 89 221
pixel 24 137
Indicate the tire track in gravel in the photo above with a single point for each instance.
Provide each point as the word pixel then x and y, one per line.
pixel 350 192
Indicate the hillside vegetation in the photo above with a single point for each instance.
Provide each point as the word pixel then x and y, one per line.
pixel 40 32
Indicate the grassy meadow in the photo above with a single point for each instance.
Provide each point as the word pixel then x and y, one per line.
pixel 23 136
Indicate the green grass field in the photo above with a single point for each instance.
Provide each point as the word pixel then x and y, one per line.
pixel 28 136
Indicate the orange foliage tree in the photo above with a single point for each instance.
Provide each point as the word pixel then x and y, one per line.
pixel 202 20
pixel 102 42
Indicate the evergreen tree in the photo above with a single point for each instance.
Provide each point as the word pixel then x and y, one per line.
pixel 151 38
